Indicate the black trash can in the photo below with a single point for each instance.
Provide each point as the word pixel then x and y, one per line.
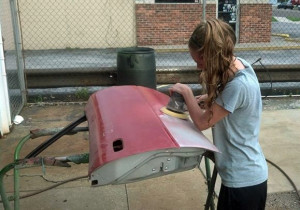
pixel 136 66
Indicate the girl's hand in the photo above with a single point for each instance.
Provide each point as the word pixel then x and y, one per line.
pixel 201 100
pixel 179 88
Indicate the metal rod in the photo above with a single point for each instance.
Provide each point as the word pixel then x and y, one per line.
pixel 211 189
pixel 50 141
pixel 51 131
pixel 209 183
pixel 207 168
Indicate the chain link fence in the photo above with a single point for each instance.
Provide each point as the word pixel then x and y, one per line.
pixel 71 43
pixel 15 81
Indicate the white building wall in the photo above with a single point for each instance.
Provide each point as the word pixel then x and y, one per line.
pixel 5 117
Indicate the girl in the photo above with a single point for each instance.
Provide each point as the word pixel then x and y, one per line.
pixel 232 107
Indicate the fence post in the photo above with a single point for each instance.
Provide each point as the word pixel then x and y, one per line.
pixel 237 19
pixel 18 45
pixel 204 10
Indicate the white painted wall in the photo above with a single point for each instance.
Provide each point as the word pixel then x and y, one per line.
pixel 61 24
pixel 5 117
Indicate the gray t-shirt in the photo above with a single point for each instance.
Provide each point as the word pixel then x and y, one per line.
pixel 241 162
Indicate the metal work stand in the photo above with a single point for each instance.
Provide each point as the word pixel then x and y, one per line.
pixel 211 181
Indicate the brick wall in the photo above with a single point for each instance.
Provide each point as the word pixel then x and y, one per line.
pixel 168 24
pixel 172 24
pixel 255 23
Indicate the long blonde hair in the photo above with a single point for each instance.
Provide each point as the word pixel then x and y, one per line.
pixel 214 40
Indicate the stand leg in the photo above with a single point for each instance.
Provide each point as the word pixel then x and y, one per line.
pixel 211 181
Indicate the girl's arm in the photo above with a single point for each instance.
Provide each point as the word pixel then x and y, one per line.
pixel 201 117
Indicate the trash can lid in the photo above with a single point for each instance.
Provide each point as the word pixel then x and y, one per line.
pixel 135 50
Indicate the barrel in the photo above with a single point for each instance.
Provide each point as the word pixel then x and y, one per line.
pixel 136 66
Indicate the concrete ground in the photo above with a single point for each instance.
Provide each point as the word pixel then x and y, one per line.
pixel 183 191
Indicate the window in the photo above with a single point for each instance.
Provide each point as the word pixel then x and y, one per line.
pixel 227 11
pixel 176 1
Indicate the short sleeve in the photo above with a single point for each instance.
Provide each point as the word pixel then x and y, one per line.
pixel 232 96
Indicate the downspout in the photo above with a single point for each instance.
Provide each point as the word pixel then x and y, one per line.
pixel 5 117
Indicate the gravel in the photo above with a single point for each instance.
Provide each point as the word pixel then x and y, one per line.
pixel 280 103
pixel 283 201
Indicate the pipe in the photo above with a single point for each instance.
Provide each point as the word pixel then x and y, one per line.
pixel 50 141
pixel 285 174
pixel 16 171
pixel 35 152
pixel 49 188
pixel 25 163
pixel 78 159
pixel 16 177
pixel 3 171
